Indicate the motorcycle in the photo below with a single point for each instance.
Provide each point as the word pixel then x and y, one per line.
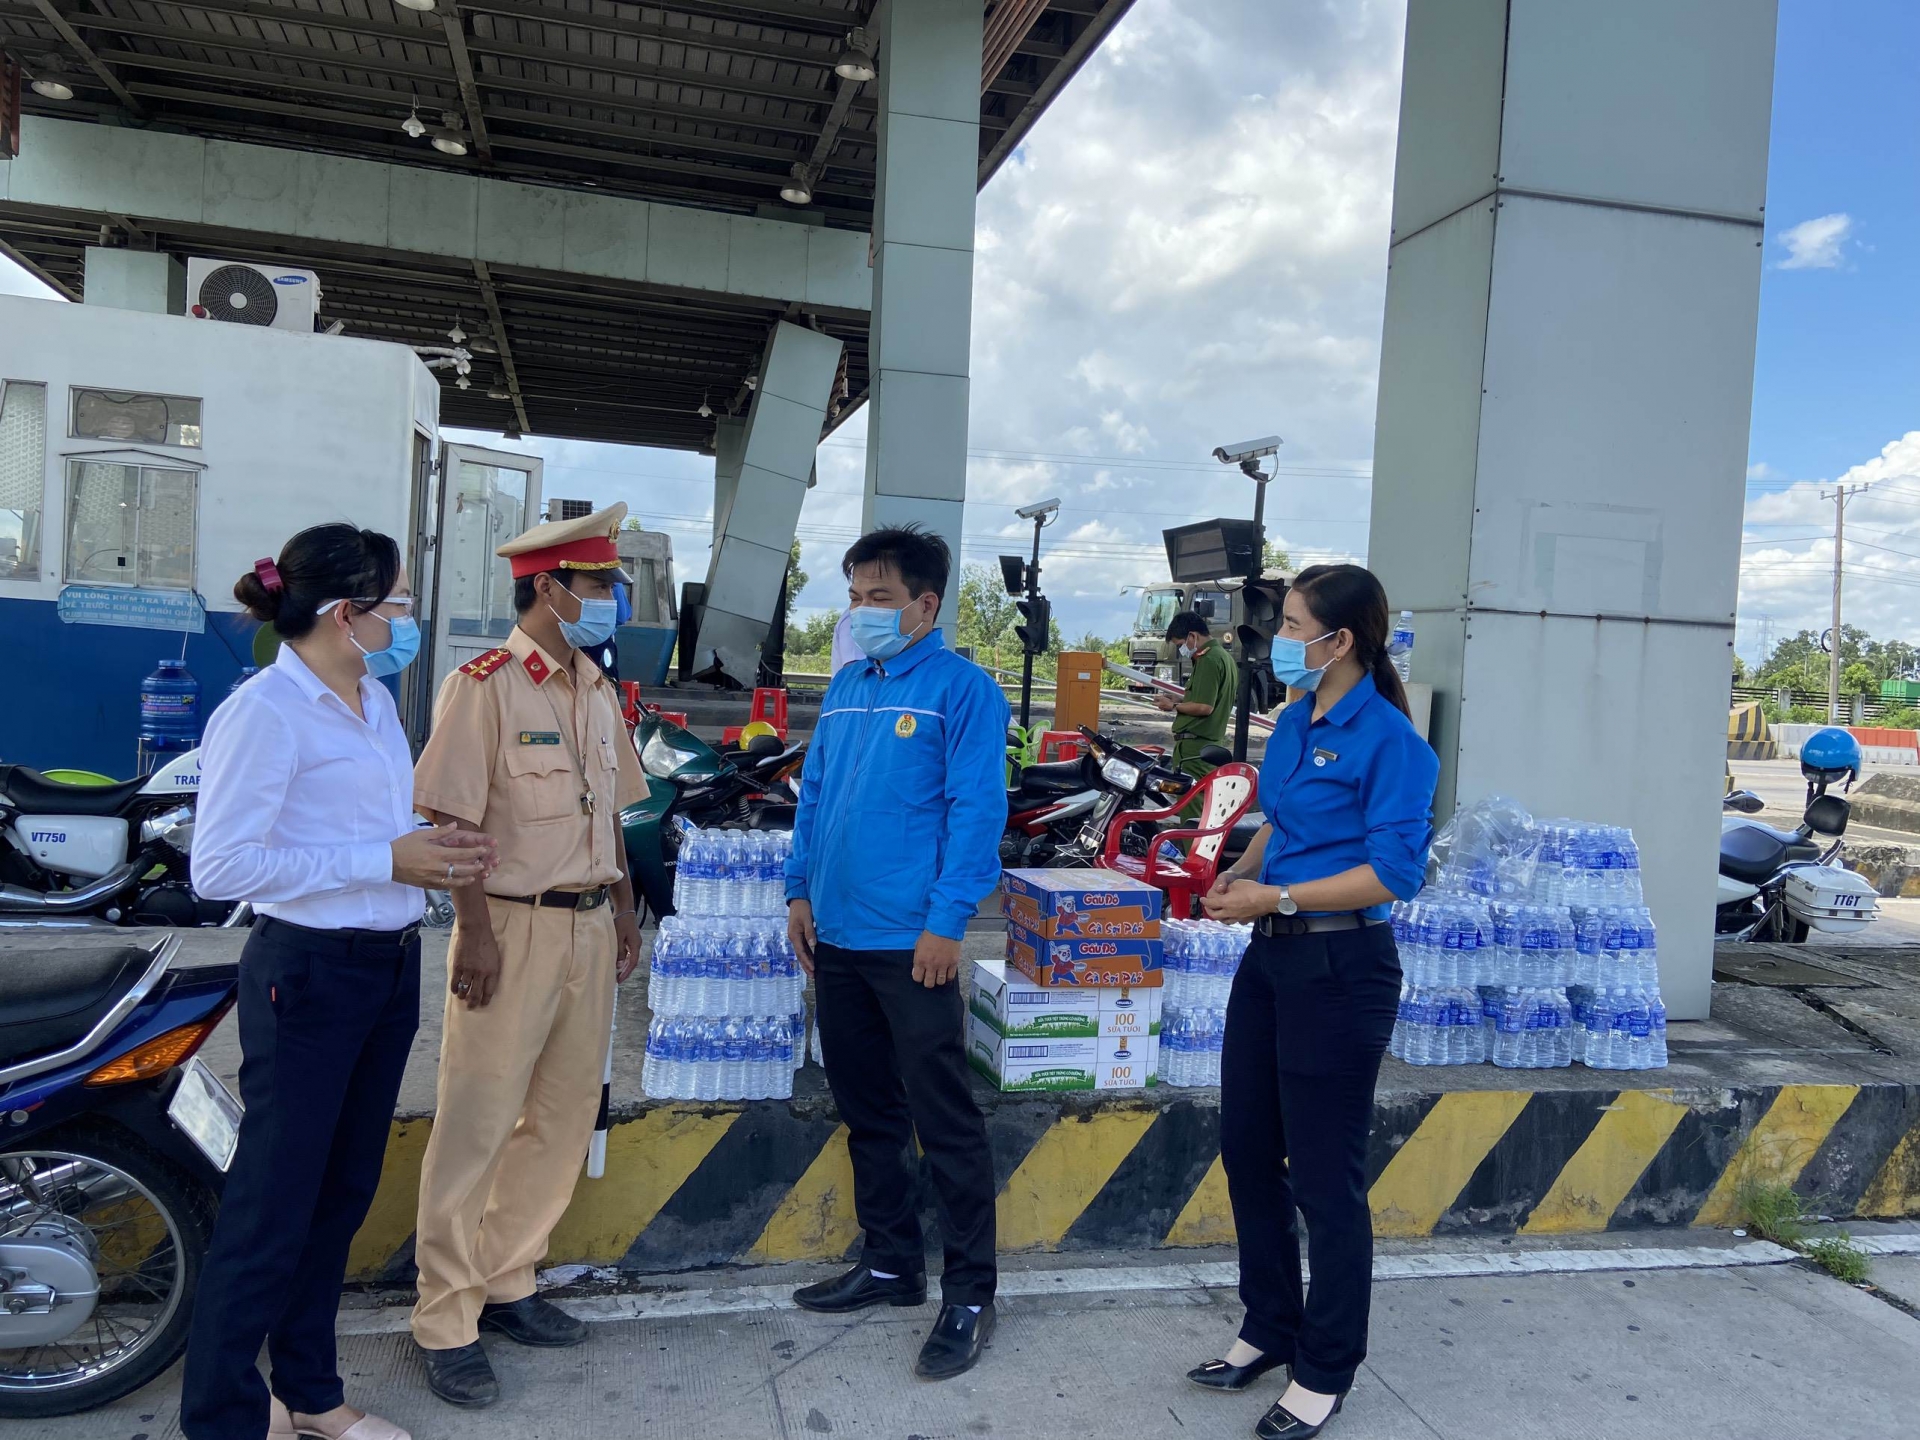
pixel 1058 814
pixel 1780 885
pixel 688 780
pixel 113 1153
pixel 116 853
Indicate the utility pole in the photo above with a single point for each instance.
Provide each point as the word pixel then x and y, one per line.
pixel 1840 495
pixel 1243 709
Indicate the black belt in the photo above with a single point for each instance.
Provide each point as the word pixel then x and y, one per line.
pixel 562 899
pixel 339 942
pixel 1273 925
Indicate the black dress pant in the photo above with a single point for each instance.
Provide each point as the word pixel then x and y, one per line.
pixel 326 1020
pixel 896 1061
pixel 1307 1023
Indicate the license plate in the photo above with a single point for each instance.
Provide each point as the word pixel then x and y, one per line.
pixel 207 1113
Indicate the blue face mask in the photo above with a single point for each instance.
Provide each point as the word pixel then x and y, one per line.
pixel 876 630
pixel 594 627
pixel 403 643
pixel 1290 666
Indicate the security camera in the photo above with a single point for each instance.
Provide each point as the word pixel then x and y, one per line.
pixel 1034 512
pixel 1247 450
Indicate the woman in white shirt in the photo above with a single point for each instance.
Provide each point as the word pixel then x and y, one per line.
pixel 306 810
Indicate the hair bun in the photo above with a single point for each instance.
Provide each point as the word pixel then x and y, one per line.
pixel 263 604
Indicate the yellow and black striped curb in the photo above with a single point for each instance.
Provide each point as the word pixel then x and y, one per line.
pixel 689 1186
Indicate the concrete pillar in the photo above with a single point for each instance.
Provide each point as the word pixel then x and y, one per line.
pixel 146 280
pixel 775 460
pixel 729 444
pixel 929 141
pixel 1566 377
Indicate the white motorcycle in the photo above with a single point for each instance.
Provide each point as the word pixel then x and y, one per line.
pixel 1781 885
pixel 93 854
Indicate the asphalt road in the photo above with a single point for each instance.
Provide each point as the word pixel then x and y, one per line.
pixel 1779 783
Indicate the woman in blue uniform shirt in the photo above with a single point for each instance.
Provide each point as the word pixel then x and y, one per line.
pixel 1347 790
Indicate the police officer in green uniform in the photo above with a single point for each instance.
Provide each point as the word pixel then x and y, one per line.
pixel 1200 716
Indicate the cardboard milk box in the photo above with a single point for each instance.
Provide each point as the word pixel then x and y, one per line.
pixel 1061 1063
pixel 1083 904
pixel 1016 1007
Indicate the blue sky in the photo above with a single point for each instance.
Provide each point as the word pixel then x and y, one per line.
pixel 1191 248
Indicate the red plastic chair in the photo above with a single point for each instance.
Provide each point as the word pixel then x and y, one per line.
pixel 768 705
pixel 1222 798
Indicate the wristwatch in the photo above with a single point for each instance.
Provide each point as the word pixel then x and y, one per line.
pixel 1288 905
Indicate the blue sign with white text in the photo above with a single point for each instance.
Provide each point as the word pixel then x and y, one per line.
pixel 141 609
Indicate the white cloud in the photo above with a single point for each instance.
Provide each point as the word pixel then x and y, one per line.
pixel 1816 244
pixel 1786 570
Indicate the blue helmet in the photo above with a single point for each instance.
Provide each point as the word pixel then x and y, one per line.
pixel 1829 754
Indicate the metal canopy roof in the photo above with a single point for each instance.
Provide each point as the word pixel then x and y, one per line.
pixel 708 103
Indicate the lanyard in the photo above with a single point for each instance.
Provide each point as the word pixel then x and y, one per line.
pixel 567 736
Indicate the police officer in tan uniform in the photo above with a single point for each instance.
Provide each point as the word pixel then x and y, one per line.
pixel 528 746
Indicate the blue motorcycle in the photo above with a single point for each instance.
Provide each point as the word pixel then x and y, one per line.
pixel 114 1141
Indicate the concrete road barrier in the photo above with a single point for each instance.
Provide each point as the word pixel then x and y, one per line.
pixel 692 1185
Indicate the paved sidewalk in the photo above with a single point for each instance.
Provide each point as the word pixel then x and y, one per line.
pixel 1718 1349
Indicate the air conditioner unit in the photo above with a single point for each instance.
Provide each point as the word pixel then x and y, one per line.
pixel 245 294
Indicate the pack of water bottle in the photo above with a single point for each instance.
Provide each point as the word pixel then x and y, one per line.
pixel 1190 1041
pixel 733 1057
pixel 1199 961
pixel 731 872
pixel 1619 1028
pixel 728 1017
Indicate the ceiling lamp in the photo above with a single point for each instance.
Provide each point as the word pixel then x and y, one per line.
pixel 856 60
pixel 456 334
pixel 416 4
pixel 799 187
pixel 497 393
pixel 449 138
pixel 47 81
pixel 413 124
pixel 512 432
pixel 705 412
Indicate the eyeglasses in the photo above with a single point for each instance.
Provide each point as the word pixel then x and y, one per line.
pixel 405 602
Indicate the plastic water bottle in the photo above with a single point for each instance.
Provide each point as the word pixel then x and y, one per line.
pixel 1561 1053
pixel 1629 856
pixel 702 1064
pixel 1509 1023
pixel 1216 1043
pixel 689 879
pixel 1656 1032
pixel 650 1067
pixel 1400 646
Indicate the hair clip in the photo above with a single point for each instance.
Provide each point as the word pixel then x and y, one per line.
pixel 269 574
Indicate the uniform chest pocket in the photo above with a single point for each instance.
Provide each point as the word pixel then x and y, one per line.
pixel 907 750
pixel 541 784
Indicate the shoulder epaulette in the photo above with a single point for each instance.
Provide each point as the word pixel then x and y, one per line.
pixel 482 666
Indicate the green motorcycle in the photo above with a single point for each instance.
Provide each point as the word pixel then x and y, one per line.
pixel 688 780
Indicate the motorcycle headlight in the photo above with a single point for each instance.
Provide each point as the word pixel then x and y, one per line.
pixel 1120 773
pixel 662 759
pixel 174 826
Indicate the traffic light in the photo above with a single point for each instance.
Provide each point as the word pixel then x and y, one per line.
pixel 1259 622
pixel 1036 625
pixel 1013 574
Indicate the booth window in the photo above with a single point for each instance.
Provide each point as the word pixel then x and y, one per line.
pixel 23 471
pixel 130 525
pixel 130 415
pixel 489 508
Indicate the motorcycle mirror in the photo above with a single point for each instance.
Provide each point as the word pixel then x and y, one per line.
pixel 1745 801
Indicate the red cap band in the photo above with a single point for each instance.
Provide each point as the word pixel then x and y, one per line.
pixel 597 553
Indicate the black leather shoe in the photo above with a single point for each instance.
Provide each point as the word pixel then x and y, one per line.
pixel 533 1321
pixel 1219 1375
pixel 461 1376
pixel 1280 1423
pixel 955 1342
pixel 857 1289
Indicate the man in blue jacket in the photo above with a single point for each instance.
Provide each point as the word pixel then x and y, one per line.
pixel 896 843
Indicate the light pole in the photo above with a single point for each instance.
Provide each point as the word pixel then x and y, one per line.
pixel 1034 609
pixel 1840 495
pixel 1248 455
